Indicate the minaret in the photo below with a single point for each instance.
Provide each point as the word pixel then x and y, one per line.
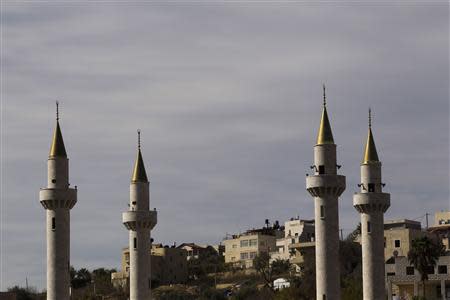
pixel 139 220
pixel 58 199
pixel 326 186
pixel 372 203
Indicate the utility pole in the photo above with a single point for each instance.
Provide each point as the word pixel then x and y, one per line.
pixel 426 218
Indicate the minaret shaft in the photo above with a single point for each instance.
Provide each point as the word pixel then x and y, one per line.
pixel 139 243
pixel 372 244
pixel 58 254
pixel 326 187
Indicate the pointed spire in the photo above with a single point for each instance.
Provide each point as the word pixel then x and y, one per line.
pixel 139 174
pixel 57 148
pixel 370 153
pixel 325 136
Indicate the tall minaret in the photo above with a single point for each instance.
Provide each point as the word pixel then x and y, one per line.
pixel 371 203
pixel 58 199
pixel 326 186
pixel 139 220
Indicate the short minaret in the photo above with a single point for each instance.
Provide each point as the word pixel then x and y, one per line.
pixel 58 199
pixel 372 203
pixel 326 186
pixel 139 220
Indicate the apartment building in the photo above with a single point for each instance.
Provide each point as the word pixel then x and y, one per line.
pixel 403 281
pixel 168 266
pixel 398 236
pixel 441 228
pixel 295 231
pixel 241 249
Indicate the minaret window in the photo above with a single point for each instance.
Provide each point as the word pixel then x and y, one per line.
pixel 135 243
pixel 53 180
pixel 322 211
pixel 371 187
pixel 53 223
pixel 368 227
pixel 321 169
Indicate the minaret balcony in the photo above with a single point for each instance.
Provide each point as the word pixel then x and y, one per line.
pixel 323 185
pixel 145 219
pixel 53 198
pixel 371 202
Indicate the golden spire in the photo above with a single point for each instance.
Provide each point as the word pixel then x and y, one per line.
pixel 370 153
pixel 57 148
pixel 325 136
pixel 139 174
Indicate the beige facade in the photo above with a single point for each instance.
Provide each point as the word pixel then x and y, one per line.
pixel 441 228
pixel 403 281
pixel 442 218
pixel 295 231
pixel 242 249
pixel 398 236
pixel 168 264
pixel 302 253
pixel 193 250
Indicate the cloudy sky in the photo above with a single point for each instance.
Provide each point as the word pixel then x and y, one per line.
pixel 228 97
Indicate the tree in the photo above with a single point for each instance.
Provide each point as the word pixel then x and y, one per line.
pixel 269 270
pixel 423 256
pixel 209 261
pixel 102 281
pixel 354 234
pixel 21 293
pixel 80 278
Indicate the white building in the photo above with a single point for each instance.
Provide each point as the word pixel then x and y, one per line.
pixel 295 231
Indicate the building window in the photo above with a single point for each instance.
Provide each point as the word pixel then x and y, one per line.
pixel 53 223
pixel 244 243
pixel 244 255
pixel 322 211
pixel 391 273
pixel 234 246
pixel 371 187
pixel 442 269
pixel 324 297
pixel 409 270
pixel 135 243
pixel 252 255
pixel 368 227
pixel 233 258
pixel 253 243
pixel 429 270
pixel 293 241
pixel 321 169
pixel 397 243
pixel 384 242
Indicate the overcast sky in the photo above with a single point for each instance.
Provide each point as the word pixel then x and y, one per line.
pixel 228 97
